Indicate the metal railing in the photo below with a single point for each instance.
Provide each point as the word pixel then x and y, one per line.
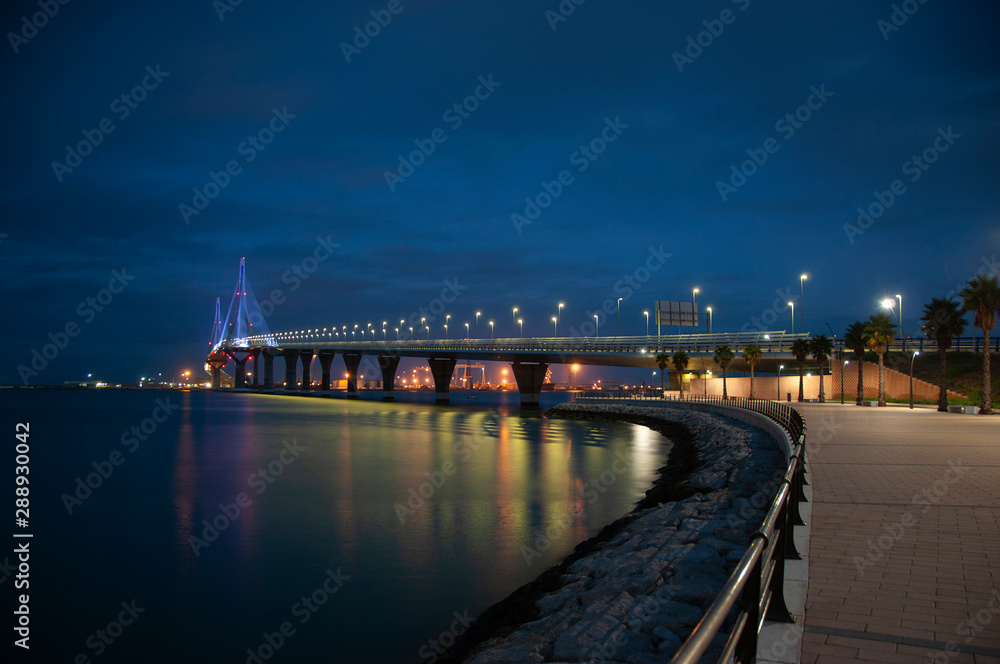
pixel 776 341
pixel 757 583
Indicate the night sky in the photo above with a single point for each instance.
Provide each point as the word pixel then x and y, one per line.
pixel 625 132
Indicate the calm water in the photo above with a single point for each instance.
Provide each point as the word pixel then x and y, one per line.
pixel 336 500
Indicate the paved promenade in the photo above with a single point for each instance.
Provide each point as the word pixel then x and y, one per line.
pixel 904 552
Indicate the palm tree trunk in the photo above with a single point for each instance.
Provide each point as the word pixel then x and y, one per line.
pixel 725 392
pixel 881 378
pixel 663 392
pixel 801 369
pixel 822 396
pixel 680 384
pixel 986 403
pixel 943 384
pixel 751 381
pixel 861 381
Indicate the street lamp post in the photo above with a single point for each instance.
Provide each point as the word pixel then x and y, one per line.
pixel 513 322
pixel 792 305
pixel 694 304
pixel 466 330
pixel 912 357
pixel 491 329
pixel 646 314
pixel 447 319
pixel 779 380
pixel 619 318
pixel 802 309
pixel 709 309
pixel 384 323
pixel 842 367
pixel 597 322
pixel 520 322
pixel 559 314
pixel 709 372
pixel 478 313
pixel 428 329
pixel 555 327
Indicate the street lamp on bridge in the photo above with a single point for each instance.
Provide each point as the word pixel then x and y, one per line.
pixel 447 319
pixel 478 313
pixel 802 308
pixel 709 309
pixel 520 321
pixel 491 329
pixel 694 304
pixel 646 314
pixel 792 305
pixel 384 323
pixel 555 327
pixel 619 318
pixel 597 321
pixel 513 322
pixel 466 330
pixel 559 315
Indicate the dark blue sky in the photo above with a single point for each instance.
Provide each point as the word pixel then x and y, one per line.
pixel 885 96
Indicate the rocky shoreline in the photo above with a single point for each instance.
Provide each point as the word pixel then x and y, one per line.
pixel 633 592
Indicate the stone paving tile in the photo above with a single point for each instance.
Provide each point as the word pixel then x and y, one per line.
pixel 905 535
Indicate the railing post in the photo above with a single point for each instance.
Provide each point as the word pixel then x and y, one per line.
pixel 777 610
pixel 746 647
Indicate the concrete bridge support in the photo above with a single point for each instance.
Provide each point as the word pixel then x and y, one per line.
pixel 325 360
pixel 388 364
pixel 291 356
pixel 307 358
pixel 240 376
pixel 255 354
pixel 442 368
pixel 352 361
pixel 529 379
pixel 268 356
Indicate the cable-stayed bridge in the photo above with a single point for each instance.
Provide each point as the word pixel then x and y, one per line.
pixel 243 335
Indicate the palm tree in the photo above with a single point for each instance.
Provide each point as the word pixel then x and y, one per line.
pixel 752 355
pixel 855 340
pixel 942 320
pixel 723 356
pixel 982 296
pixel 800 350
pixel 661 361
pixel 821 348
pixel 680 364
pixel 879 331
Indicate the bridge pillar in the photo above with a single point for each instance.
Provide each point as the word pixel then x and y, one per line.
pixel 307 358
pixel 255 354
pixel 442 368
pixel 388 364
pixel 352 361
pixel 529 379
pixel 241 371
pixel 217 360
pixel 325 360
pixel 291 356
pixel 268 356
